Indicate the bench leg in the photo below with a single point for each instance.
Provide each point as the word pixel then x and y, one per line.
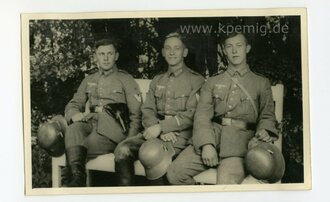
pixel 88 178
pixel 56 176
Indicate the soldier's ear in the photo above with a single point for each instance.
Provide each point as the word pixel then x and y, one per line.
pixel 163 52
pixel 116 56
pixel 185 52
pixel 248 48
pixel 223 49
pixel 94 57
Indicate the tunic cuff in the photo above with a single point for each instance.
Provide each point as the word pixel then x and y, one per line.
pixel 169 125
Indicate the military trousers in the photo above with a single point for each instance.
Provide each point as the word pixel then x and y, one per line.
pixel 189 164
pixel 85 134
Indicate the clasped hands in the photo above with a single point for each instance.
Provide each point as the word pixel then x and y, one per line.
pixel 83 117
pixel 155 131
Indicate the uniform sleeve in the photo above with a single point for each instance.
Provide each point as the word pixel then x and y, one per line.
pixel 184 119
pixel 266 118
pixel 134 101
pixel 148 108
pixel 77 103
pixel 203 133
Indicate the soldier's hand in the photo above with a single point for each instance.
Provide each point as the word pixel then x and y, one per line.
pixel 152 132
pixel 171 136
pixel 209 156
pixel 263 136
pixel 87 117
pixel 77 117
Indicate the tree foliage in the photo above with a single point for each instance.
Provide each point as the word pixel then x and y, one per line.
pixel 60 50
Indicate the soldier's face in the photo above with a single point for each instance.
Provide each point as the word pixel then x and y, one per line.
pixel 236 49
pixel 106 56
pixel 174 51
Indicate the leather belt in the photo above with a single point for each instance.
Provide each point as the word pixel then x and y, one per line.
pixel 234 122
pixel 162 117
pixel 96 109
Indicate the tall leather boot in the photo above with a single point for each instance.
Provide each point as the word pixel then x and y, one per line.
pixel 76 156
pixel 125 172
pixel 66 175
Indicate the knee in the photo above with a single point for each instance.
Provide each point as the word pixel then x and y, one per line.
pixel 171 175
pixel 74 129
pixel 122 152
pixel 231 171
pixel 231 178
pixel 73 135
pixel 176 176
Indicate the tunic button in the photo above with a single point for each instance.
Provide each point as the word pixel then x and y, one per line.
pixel 235 85
pixel 230 106
pixel 228 113
pixel 168 92
pixel 233 91
pixel 231 99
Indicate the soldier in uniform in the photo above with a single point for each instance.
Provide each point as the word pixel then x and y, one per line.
pixel 235 106
pixel 167 113
pixel 94 131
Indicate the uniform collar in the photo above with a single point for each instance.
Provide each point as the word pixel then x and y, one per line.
pixel 241 71
pixel 177 72
pixel 107 73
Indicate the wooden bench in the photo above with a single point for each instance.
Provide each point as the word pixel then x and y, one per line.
pixel 106 162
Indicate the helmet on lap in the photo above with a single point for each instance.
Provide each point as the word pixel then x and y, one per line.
pixel 156 155
pixel 51 136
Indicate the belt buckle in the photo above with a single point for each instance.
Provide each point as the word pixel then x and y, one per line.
pixel 167 116
pixel 226 121
pixel 98 109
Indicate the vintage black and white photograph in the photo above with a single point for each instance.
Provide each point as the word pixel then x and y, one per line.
pixel 167 101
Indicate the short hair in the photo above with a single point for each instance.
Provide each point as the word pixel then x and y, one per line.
pixel 233 34
pixel 105 42
pixel 176 35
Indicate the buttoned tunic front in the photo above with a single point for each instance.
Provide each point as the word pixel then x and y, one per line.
pixel 221 96
pixel 173 95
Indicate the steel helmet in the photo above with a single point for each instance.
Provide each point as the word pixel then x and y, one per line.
pixel 156 155
pixel 51 136
pixel 265 162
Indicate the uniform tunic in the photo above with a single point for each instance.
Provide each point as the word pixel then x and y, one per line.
pixel 99 89
pixel 221 96
pixel 171 102
pixel 172 95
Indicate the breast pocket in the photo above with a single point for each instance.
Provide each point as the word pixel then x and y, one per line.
pixel 219 97
pixel 181 100
pixel 91 90
pixel 159 98
pixel 116 94
pixel 246 103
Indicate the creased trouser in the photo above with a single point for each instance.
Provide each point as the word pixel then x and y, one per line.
pixel 84 134
pixel 189 163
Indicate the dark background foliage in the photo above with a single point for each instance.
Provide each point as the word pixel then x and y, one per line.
pixel 61 55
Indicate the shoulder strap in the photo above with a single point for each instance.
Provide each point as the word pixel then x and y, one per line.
pixel 245 91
